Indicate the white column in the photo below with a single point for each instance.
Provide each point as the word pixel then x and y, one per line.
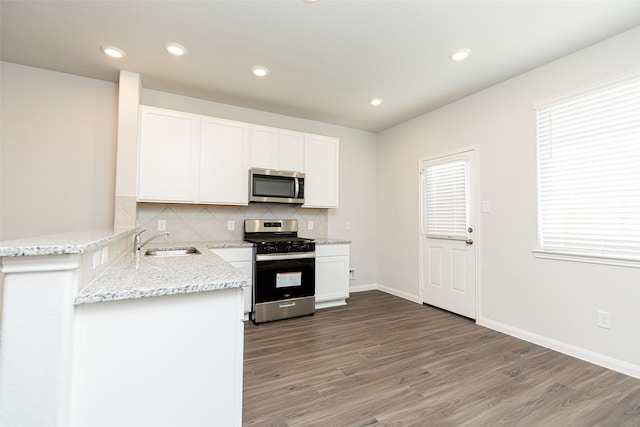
pixel 127 152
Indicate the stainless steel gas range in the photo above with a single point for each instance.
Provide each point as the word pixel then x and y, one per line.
pixel 284 270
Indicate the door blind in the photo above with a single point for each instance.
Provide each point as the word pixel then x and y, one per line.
pixel 444 210
pixel 589 171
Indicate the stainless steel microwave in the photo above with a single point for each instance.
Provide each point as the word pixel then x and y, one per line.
pixel 272 186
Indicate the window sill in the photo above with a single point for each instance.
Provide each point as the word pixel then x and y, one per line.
pixel 588 258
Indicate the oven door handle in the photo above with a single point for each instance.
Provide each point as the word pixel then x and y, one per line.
pixel 284 257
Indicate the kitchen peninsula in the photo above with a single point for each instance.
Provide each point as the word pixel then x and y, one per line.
pixel 95 335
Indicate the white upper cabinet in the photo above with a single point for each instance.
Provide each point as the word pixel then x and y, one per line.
pixel 168 156
pixel 321 168
pixel 224 162
pixel 291 152
pixel 192 159
pixel 264 147
pixel 277 149
pixel 188 158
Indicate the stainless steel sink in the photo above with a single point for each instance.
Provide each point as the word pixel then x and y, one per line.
pixel 159 252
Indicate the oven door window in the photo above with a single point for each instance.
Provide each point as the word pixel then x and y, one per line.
pixel 289 280
pixel 282 279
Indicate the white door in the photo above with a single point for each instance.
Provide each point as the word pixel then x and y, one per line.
pixel 448 212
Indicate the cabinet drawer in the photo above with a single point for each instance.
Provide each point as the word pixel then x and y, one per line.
pixel 332 250
pixel 234 254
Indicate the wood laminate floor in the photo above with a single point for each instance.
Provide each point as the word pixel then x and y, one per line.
pixel 385 361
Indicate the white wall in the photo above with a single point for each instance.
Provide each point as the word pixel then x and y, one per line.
pixel 58 152
pixel 358 169
pixel 551 302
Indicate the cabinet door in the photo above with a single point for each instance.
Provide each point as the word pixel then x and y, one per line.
pixel 247 268
pixel 321 167
pixel 168 156
pixel 332 278
pixel 264 147
pixel 224 162
pixel 242 259
pixel 291 151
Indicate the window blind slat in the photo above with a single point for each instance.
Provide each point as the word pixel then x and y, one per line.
pixel 589 171
pixel 444 197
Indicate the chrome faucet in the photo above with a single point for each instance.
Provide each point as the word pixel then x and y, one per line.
pixel 137 239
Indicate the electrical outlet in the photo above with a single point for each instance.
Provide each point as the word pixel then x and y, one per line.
pixel 486 206
pixel 105 255
pixel 352 274
pixel 347 225
pixel 96 259
pixel 162 225
pixel 604 319
pixel 231 225
pixel 310 225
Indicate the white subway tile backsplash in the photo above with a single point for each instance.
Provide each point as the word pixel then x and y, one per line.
pixel 188 223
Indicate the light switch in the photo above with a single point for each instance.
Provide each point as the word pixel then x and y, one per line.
pixel 310 225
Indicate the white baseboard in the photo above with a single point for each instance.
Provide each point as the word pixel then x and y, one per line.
pixel 332 303
pixel 577 352
pixel 386 289
pixel 363 288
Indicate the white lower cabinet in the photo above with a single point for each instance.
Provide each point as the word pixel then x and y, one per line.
pixel 332 275
pixel 242 259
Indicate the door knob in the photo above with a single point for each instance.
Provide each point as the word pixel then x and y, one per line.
pixel 469 241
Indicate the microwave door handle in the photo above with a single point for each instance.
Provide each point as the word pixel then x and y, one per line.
pixel 296 188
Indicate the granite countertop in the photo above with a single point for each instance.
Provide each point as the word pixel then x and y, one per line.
pixel 61 244
pixel 143 276
pixel 220 244
pixel 330 241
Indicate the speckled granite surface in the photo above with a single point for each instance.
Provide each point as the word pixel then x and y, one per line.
pixel 144 276
pixel 219 244
pixel 330 241
pixel 61 244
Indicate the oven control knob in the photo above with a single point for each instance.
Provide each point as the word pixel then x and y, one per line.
pixel 271 249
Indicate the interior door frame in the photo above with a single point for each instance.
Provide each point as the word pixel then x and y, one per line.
pixel 474 210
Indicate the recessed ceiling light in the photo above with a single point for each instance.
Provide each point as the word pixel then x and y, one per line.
pixel 259 71
pixel 460 54
pixel 376 101
pixel 311 1
pixel 113 51
pixel 175 49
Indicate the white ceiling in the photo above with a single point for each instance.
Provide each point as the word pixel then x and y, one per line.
pixel 327 59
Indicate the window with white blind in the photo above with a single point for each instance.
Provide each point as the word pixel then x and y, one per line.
pixel 445 195
pixel 589 174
